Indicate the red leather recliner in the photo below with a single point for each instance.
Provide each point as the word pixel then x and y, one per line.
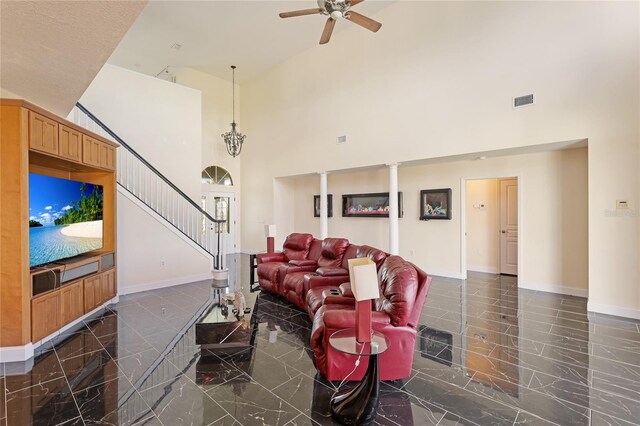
pixel 318 289
pixel 295 248
pixel 403 288
pixel 329 262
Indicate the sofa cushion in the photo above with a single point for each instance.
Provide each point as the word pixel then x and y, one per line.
pixel 398 288
pixel 296 246
pixel 314 300
pixel 332 251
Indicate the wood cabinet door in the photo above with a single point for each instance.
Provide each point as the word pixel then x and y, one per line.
pixel 107 156
pixel 92 292
pixel 108 285
pixel 71 302
pixel 90 151
pixel 70 143
pixel 43 133
pixel 45 315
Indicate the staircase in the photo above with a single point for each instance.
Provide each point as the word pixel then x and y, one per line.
pixel 145 183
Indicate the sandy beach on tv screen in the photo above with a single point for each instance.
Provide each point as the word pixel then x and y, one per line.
pixel 83 229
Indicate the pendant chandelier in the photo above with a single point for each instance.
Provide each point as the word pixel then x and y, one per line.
pixel 233 139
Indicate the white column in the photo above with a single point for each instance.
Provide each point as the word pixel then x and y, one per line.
pixel 324 210
pixel 394 245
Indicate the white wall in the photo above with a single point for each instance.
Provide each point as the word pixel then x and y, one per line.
pixel 216 120
pixel 162 122
pixel 438 80
pixel 152 256
pixel 554 243
pixel 483 224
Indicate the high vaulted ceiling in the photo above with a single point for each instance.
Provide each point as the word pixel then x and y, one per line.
pixel 216 34
pixel 51 51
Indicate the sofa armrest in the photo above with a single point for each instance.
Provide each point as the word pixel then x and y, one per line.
pixel 289 269
pixel 332 299
pixel 270 257
pixel 332 271
pixel 303 262
pixel 314 280
pixel 339 319
pixel 345 289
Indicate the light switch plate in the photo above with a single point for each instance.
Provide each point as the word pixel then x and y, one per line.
pixel 622 204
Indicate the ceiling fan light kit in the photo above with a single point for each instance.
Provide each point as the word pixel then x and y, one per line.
pixel 233 139
pixel 336 9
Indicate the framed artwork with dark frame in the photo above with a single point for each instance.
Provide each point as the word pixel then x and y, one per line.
pixel 316 205
pixel 435 204
pixel 368 205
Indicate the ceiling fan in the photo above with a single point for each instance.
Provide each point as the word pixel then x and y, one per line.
pixel 336 9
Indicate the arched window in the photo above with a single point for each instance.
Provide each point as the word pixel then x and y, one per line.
pixel 216 175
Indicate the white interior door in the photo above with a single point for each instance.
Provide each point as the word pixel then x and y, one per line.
pixel 509 226
pixel 221 205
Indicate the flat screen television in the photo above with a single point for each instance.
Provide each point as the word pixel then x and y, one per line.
pixel 65 218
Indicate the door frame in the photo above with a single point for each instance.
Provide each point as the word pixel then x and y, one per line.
pixel 463 219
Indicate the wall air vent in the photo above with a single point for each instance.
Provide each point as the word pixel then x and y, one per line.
pixel 341 139
pixel 521 101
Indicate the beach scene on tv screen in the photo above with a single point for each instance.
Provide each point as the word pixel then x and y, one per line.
pixel 65 218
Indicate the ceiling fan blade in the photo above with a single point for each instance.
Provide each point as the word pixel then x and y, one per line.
pixel 363 21
pixel 328 29
pixel 300 13
pixel 354 2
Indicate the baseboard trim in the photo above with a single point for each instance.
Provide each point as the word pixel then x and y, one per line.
pixel 554 288
pixel 23 353
pixel 166 283
pixel 16 353
pixel 485 269
pixel 444 274
pixel 617 311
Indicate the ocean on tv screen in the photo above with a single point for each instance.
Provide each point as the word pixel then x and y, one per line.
pixel 65 218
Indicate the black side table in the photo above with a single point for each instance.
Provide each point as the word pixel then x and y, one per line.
pixel 358 404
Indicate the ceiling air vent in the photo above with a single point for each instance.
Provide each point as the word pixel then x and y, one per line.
pixel 521 101
pixel 341 139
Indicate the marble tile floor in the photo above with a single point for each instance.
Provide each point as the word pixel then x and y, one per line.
pixel 488 353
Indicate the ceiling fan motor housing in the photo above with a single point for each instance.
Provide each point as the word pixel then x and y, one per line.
pixel 334 8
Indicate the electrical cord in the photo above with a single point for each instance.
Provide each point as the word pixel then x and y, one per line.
pixel 357 363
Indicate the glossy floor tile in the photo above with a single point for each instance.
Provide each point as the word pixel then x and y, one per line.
pixel 487 353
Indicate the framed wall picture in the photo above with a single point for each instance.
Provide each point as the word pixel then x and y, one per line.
pixel 435 204
pixel 316 205
pixel 368 205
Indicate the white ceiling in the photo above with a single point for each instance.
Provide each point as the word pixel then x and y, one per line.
pixel 217 34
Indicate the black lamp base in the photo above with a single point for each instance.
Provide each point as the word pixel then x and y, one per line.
pixel 357 405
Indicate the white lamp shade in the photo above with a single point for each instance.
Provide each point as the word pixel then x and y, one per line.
pixel 270 230
pixel 364 279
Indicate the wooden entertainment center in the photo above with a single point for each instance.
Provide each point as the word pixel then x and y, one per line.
pixel 37 302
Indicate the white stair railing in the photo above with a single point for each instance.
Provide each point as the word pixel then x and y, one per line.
pixel 152 188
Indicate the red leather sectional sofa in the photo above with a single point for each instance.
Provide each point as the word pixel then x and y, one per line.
pixel 313 275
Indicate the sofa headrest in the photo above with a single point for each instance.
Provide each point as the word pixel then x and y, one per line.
pixel 315 249
pixel 332 251
pixel 350 253
pixel 372 253
pixel 398 289
pixel 296 246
